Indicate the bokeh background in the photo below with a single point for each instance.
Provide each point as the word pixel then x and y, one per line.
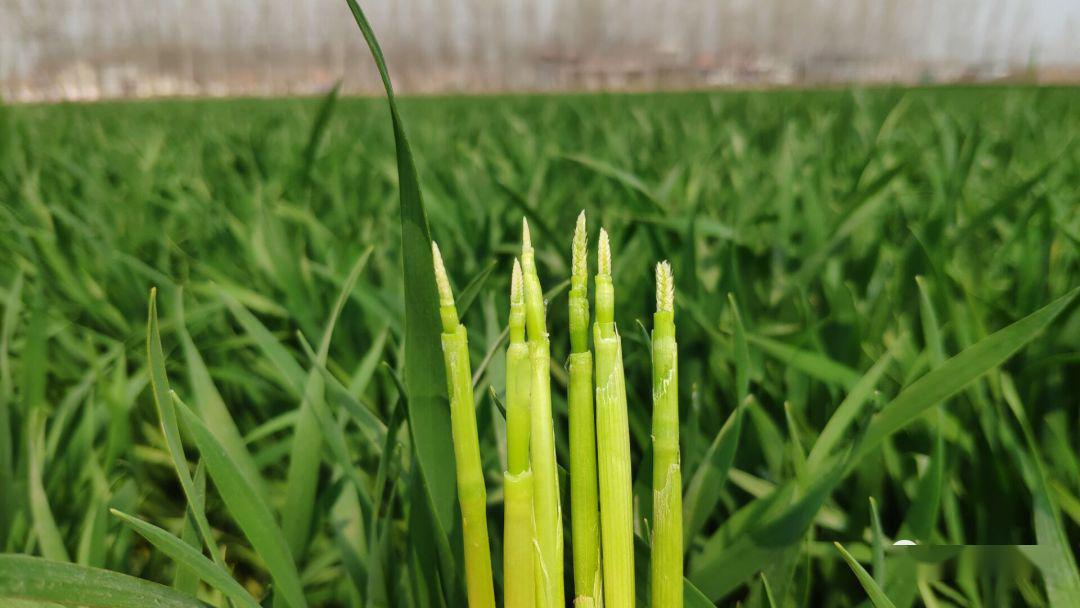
pixel 90 49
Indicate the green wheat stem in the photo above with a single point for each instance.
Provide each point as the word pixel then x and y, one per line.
pixel 547 508
pixel 612 443
pixel 519 577
pixel 584 502
pixel 472 495
pixel 519 589
pixel 667 544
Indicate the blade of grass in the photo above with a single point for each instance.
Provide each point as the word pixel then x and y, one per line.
pixel 8 493
pixel 468 294
pixel 305 456
pixel 768 590
pixel 48 535
pixel 318 130
pixel 34 357
pixel 371 427
pixel 922 515
pixel 208 400
pixel 764 540
pixel 813 364
pixel 366 369
pixel 626 178
pixel 878 543
pixel 1052 554
pixel 34 578
pixel 703 491
pixel 159 389
pixel 877 596
pixel 248 510
pixel 759 544
pixel 847 412
pixel 189 557
pixel 185 579
pixel 429 412
pixel 958 371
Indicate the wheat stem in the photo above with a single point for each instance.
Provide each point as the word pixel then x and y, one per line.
pixel 472 495
pixel 546 504
pixel 612 443
pixel 667 552
pixel 584 500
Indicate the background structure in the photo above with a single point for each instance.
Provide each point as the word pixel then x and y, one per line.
pixel 88 49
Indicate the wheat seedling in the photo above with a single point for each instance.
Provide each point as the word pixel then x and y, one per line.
pixel 584 505
pixel 518 570
pixel 667 545
pixel 472 495
pixel 612 443
pixel 546 504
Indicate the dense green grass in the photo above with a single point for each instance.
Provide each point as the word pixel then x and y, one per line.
pixel 849 227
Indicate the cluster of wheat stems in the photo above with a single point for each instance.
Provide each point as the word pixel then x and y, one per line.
pixel 600 480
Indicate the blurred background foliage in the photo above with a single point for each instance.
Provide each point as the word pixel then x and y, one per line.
pixel 816 210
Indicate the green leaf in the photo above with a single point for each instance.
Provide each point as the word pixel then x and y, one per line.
pixel 292 374
pixel 159 389
pixel 847 412
pixel 48 535
pixel 247 508
pixel 931 328
pixel 318 130
pixel 742 354
pixel 877 596
pixel 878 543
pixel 957 372
pixel 626 178
pixel 468 294
pixel 8 493
pixel 34 578
pixel 766 539
pixel 693 597
pixel 208 401
pixel 188 556
pixel 372 429
pixel 312 423
pixel 429 409
pixel 366 369
pixel 1052 555
pixel 185 579
pixel 763 541
pixel 768 591
pixel 35 360
pixel 703 492
pixel 922 515
pixel 813 364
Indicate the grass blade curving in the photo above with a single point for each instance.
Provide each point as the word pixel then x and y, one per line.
pixel 33 578
pixel 188 556
pixel 877 596
pixel 429 411
pixel 251 514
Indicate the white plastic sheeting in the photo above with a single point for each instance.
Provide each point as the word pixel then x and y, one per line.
pixel 79 49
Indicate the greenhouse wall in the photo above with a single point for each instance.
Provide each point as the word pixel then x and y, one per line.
pixel 89 49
